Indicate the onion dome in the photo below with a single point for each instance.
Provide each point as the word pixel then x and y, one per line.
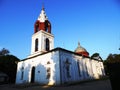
pixel 82 51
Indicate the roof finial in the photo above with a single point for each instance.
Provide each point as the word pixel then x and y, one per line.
pixel 43 6
pixel 78 44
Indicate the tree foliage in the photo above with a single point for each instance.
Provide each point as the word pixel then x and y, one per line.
pixel 112 59
pixel 8 64
pixel 4 52
pixel 96 56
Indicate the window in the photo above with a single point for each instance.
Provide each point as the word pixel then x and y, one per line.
pixel 47 44
pixel 78 64
pixel 67 64
pixel 22 73
pixel 48 62
pixel 48 73
pixel 36 45
pixel 86 69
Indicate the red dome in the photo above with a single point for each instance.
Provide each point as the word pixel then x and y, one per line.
pixel 81 50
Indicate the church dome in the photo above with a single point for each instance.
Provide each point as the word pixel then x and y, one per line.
pixel 81 50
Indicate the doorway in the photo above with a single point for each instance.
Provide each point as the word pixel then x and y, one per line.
pixel 33 75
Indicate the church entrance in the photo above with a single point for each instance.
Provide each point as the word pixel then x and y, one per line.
pixel 33 75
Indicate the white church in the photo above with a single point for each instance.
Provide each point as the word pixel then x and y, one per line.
pixel 47 65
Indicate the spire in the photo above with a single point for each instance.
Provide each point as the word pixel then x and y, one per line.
pixel 42 17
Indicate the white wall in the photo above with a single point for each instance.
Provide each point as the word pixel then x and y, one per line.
pixel 80 68
pixel 40 64
pixel 88 69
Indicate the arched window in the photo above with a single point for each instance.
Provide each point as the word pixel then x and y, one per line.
pixel 48 73
pixel 67 66
pixel 36 45
pixel 47 44
pixel 22 73
pixel 78 65
pixel 48 62
pixel 48 27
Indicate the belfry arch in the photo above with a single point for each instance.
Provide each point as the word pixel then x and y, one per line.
pixel 47 44
pixel 36 44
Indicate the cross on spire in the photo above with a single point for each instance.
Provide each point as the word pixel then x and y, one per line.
pixel 43 6
pixel 79 44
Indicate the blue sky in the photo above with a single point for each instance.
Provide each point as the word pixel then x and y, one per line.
pixel 94 23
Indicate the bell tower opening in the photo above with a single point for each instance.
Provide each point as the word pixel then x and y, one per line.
pixel 36 28
pixel 36 44
pixel 47 44
pixel 48 27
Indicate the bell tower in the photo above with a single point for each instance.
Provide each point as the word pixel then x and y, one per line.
pixel 42 39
